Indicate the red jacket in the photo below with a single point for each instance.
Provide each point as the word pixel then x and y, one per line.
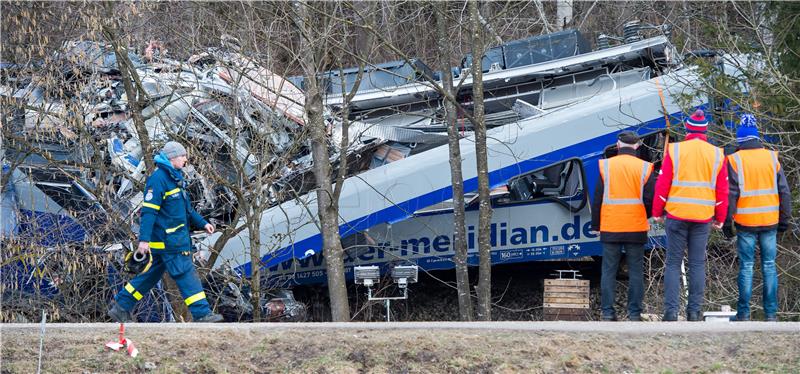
pixel 664 183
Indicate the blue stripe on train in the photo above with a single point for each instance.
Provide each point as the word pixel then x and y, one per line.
pixel 403 210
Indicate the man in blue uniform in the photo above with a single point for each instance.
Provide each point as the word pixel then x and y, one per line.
pixel 167 216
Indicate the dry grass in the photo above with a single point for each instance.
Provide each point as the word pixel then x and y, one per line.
pixel 262 349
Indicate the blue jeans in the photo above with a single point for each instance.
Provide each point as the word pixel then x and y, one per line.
pixel 634 253
pixel 746 245
pixel 683 236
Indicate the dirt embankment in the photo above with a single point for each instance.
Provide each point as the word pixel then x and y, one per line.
pixel 263 348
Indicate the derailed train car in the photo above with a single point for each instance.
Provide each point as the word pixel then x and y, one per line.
pixel 550 121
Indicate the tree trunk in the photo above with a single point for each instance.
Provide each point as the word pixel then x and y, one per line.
pixel 130 81
pixel 328 208
pixel 459 227
pixel 179 308
pixel 129 74
pixel 254 228
pixel 482 163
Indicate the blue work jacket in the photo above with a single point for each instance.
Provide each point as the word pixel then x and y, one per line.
pixel 167 212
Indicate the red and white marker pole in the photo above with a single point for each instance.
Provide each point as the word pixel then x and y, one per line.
pixel 123 342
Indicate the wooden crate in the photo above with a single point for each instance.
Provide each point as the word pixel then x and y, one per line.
pixel 566 300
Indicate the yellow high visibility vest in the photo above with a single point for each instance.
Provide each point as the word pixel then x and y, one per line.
pixel 695 166
pixel 758 203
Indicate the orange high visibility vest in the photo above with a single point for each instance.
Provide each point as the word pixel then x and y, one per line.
pixel 623 210
pixel 758 203
pixel 695 166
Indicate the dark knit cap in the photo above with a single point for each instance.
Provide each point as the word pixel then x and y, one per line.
pixel 628 137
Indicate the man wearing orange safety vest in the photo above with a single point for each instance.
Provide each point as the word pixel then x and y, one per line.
pixel 693 189
pixel 620 208
pixel 760 205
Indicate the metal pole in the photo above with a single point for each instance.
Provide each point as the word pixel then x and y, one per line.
pixel 387 301
pixel 41 342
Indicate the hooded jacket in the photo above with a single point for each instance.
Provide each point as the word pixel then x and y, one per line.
pixel 167 212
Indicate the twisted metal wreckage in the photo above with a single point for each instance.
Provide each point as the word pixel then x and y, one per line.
pixel 553 107
pixel 216 100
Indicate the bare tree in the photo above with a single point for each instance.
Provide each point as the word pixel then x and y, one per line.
pixel 450 112
pixel 309 25
pixel 484 288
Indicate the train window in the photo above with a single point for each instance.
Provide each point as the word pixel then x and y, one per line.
pixel 651 150
pixel 562 182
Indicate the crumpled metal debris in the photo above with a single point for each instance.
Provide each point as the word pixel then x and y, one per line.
pixel 220 100
pixel 217 100
pixel 285 308
pixel 244 118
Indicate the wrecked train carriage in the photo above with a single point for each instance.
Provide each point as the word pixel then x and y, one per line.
pixel 552 121
pixel 49 217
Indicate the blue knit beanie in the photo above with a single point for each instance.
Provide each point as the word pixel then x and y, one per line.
pixel 747 129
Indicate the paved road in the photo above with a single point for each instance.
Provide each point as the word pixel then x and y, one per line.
pixel 599 327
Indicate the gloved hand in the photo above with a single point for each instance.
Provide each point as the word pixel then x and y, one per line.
pixel 783 226
pixel 727 231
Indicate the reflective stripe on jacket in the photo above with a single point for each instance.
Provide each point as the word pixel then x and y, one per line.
pixel 623 208
pixel 692 195
pixel 758 203
pixel 167 212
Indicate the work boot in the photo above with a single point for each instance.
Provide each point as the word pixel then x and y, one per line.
pixel 210 318
pixel 771 318
pixel 670 317
pixel 118 314
pixel 634 318
pixel 742 317
pixel 694 316
pixel 609 318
